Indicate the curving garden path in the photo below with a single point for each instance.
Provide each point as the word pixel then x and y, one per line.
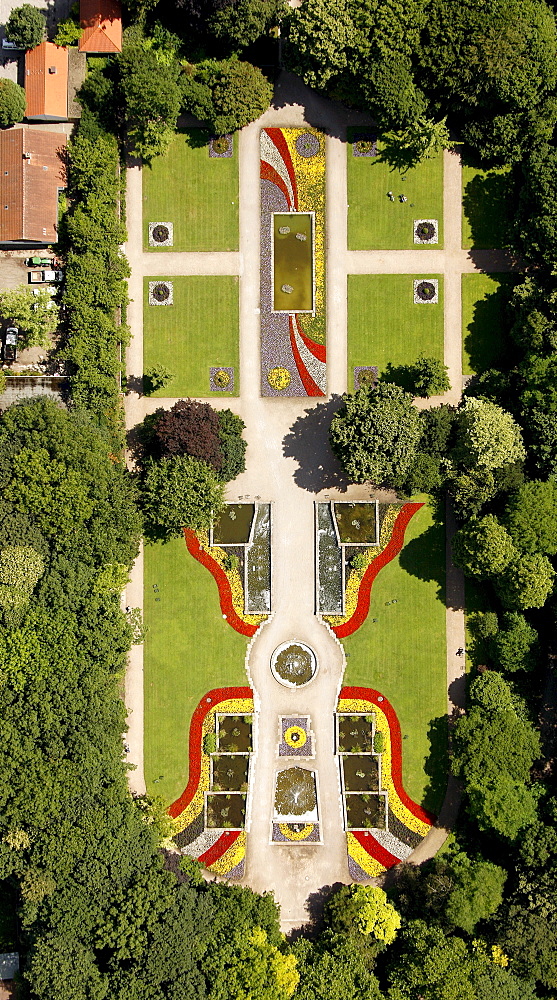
pixel 293 470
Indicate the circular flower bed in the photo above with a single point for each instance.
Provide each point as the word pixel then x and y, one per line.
pixel 221 146
pixel 278 378
pixel 221 378
pixel 307 144
pixel 293 664
pixel 425 291
pixel 161 291
pixel 160 234
pixel 296 831
pixel 425 231
pixel 295 736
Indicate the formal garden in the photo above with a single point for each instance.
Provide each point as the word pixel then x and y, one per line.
pixel 191 328
pixel 193 189
pixel 382 309
pixel 384 203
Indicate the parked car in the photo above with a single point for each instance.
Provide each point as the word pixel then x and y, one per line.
pixel 10 343
pixel 37 277
pixel 38 262
pixel 6 44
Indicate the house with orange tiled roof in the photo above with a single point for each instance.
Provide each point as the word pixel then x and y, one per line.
pixel 32 174
pixel 46 83
pixel 101 21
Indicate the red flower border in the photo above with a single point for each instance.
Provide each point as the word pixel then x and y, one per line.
pixel 375 850
pixel 217 850
pixel 311 387
pixel 369 694
pixel 391 550
pixel 277 138
pixel 222 582
pixel 208 702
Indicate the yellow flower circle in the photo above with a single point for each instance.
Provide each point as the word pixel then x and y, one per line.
pixel 221 378
pixel 292 835
pixel 278 378
pixel 295 736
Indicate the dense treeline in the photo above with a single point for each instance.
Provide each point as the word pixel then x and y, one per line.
pixel 96 270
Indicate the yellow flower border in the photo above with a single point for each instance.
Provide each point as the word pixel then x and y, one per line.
pixel 356 576
pixel 234 579
pixel 368 864
pixel 291 835
pixel 231 857
pixel 310 182
pixel 234 706
pixel 382 726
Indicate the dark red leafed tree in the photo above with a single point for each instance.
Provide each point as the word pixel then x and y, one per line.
pixel 189 428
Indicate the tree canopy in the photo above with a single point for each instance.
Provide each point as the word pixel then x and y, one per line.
pixel 487 436
pixel 375 433
pixel 26 26
pixel 483 547
pixel 12 102
pixel 227 95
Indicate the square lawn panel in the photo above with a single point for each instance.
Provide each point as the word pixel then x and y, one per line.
pixel 375 222
pixel 189 649
pixel 386 327
pixel 483 307
pixel 196 192
pixel 488 202
pixel 199 331
pixel 403 654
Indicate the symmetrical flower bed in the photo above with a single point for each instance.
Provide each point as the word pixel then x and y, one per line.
pixel 364 143
pixel 293 353
pixel 295 737
pixel 161 234
pixel 221 147
pixel 296 833
pixel 229 582
pixel 225 852
pixel 161 293
pixel 370 854
pixel 426 290
pixel 221 379
pixel 426 231
pixel 360 582
pixel 365 375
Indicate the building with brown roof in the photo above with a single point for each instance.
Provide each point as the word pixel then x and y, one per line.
pixel 46 83
pixel 32 173
pixel 101 21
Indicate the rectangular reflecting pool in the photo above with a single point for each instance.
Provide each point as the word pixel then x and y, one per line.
pixel 293 262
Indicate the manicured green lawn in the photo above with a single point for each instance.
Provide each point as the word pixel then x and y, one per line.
pixel 199 331
pixel 403 654
pixel 483 301
pixel 377 223
pixel 189 649
pixel 487 203
pixel 386 327
pixel 195 192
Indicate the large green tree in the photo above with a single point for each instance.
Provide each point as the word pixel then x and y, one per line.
pixel 487 436
pixel 494 749
pixel 375 433
pixel 227 95
pixel 26 26
pixel 33 311
pixel 12 102
pixel 179 492
pixel 531 517
pixel 483 548
pixel 239 24
pixel 152 97
pixel 526 582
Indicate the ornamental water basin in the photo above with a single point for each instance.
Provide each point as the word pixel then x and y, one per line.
pixel 293 278
pixel 293 664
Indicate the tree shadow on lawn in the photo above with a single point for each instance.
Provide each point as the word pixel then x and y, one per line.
pixel 308 443
pixel 436 765
pixel 424 558
pixel 487 203
pixel 484 341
